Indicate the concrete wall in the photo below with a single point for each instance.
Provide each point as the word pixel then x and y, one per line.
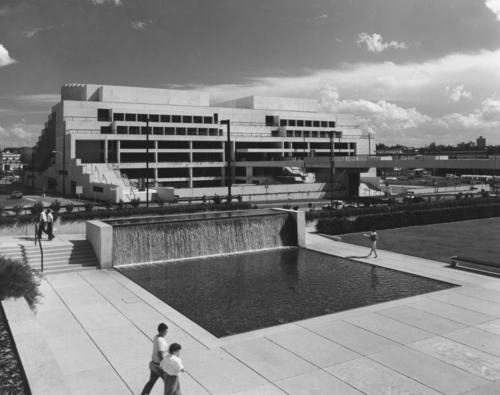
pixel 100 236
pixel 28 229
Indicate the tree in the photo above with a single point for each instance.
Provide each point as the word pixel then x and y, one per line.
pixel 18 279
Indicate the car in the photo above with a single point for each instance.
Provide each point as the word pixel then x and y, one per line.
pixel 16 195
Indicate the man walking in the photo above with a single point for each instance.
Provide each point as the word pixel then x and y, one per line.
pixel 373 238
pixel 50 224
pixel 41 224
pixel 160 351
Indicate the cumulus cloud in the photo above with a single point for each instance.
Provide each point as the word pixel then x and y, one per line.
pixel 494 6
pixel 33 32
pixel 375 42
pixel 20 134
pixel 100 2
pixel 140 25
pixel 5 58
pixel 458 93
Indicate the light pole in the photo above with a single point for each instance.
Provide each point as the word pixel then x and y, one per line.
pixel 331 167
pixel 147 161
pixel 227 122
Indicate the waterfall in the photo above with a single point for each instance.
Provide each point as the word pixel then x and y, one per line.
pixel 152 241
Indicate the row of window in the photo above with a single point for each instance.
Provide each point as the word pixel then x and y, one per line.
pixel 160 131
pixel 307 123
pixel 312 133
pixel 105 115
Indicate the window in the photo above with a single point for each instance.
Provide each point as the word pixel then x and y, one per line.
pixel 282 122
pixel 216 118
pixel 300 122
pixel 289 133
pixel 298 133
pixel 142 117
pixel 192 131
pixel 291 122
pixel 157 130
pixel 121 129
pixel 165 118
pixel 154 118
pixel 323 134
pixel 213 132
pixel 314 133
pixel 331 124
pixel 176 118
pixel 144 130
pixel 308 124
pixel 169 130
pixel 180 131
pixel 198 119
pixel 187 119
pixel 133 130
pixel 106 130
pixel 306 133
pixel 316 124
pixel 324 124
pixel 118 116
pixel 103 115
pixel 130 117
pixel 207 119
pixel 270 120
pixel 202 132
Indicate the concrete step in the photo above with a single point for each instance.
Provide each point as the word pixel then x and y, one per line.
pixel 82 262
pixel 67 269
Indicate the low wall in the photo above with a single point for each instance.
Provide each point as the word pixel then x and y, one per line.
pixel 100 235
pixel 27 229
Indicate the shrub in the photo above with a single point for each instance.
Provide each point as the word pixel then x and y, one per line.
pixel 55 206
pixel 69 207
pixel 160 202
pixel 240 198
pixel 17 279
pixel 217 199
pixel 37 208
pixel 89 206
pixel 108 204
pixel 296 208
pixel 2 209
pixel 121 204
pixel 135 202
pixel 204 199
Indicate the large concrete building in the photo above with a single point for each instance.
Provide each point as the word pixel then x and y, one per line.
pixel 101 140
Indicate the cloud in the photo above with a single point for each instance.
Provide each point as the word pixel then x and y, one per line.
pixel 458 93
pixel 140 25
pixel 494 6
pixel 33 32
pixel 375 43
pixel 5 58
pixel 43 98
pixel 20 134
pixel 100 2
pixel 318 19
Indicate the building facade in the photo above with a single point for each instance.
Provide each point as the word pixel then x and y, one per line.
pixel 102 137
pixel 10 161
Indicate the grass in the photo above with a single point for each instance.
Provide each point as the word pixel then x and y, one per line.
pixel 473 238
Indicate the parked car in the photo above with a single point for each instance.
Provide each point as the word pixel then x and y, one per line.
pixel 16 195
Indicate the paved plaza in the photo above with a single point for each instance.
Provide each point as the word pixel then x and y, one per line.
pixel 92 335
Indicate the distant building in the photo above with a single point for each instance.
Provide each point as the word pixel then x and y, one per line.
pixel 10 161
pixel 481 142
pixel 95 139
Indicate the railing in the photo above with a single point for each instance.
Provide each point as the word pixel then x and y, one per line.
pixel 38 238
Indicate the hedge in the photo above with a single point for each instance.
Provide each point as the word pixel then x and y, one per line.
pixel 127 212
pixel 342 225
pixel 18 279
pixel 406 207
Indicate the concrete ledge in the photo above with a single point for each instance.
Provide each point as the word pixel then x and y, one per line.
pixel 300 221
pixel 42 371
pixel 100 236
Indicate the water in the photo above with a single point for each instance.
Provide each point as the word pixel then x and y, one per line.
pixel 242 292
pixel 159 241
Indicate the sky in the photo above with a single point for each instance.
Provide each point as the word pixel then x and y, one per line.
pixel 412 71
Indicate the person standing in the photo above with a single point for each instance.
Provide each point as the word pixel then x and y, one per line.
pixel 41 224
pixel 160 351
pixel 373 239
pixel 50 224
pixel 172 366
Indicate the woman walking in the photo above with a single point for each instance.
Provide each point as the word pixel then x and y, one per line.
pixel 373 238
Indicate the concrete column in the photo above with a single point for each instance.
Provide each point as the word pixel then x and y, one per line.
pixel 191 152
pixel 106 151
pixel 223 177
pixel 118 150
pixel 249 174
pixel 190 181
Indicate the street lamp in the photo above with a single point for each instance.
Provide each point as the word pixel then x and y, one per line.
pixel 332 133
pixel 147 161
pixel 227 122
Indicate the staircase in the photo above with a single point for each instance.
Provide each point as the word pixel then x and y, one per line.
pixel 74 255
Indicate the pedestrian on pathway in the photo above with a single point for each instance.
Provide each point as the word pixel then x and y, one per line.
pixel 172 366
pixel 42 222
pixel 50 224
pixel 160 351
pixel 373 239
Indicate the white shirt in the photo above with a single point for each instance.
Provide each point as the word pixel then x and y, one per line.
pixel 160 349
pixel 172 365
pixel 50 217
pixel 43 217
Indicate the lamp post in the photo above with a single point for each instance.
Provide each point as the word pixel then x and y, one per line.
pixel 331 167
pixel 227 122
pixel 147 161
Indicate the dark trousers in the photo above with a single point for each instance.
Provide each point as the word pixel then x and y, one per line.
pixel 50 230
pixel 153 376
pixel 41 228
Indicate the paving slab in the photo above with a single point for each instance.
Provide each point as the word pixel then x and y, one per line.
pixel 268 359
pixel 429 371
pixel 421 319
pixel 466 358
pixel 317 350
pixel 491 326
pixel 467 302
pixel 477 338
pixel 268 389
pixel 316 382
pixel 370 377
pixel 389 328
pixel 352 337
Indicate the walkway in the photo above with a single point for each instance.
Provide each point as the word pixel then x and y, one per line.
pixel 92 334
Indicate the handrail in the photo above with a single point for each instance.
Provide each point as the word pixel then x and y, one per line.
pixel 40 245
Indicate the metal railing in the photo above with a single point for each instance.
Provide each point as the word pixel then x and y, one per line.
pixel 39 240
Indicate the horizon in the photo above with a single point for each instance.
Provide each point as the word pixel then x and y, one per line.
pixel 412 72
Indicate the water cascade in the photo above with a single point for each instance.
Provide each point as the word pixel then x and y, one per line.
pixel 167 238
